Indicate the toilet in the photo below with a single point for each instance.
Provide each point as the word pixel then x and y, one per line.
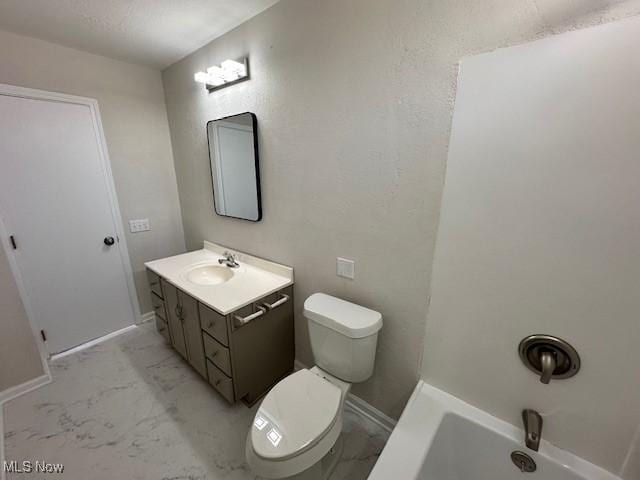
pixel 296 431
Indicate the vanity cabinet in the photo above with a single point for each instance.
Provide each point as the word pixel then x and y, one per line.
pixel 192 332
pixel 174 320
pixel 184 322
pixel 158 304
pixel 241 354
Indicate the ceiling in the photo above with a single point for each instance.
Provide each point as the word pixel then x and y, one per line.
pixel 156 33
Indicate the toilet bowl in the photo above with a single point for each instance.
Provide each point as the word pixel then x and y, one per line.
pixel 297 424
pixel 296 430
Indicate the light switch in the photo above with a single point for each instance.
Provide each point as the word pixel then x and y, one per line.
pixel 346 268
pixel 139 225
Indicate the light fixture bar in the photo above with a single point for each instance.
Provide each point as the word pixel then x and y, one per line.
pixel 228 73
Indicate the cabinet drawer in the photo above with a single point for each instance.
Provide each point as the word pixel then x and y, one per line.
pixel 220 381
pixel 217 353
pixel 154 283
pixel 158 306
pixel 163 329
pixel 214 324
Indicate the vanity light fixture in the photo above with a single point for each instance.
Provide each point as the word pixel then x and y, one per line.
pixel 228 73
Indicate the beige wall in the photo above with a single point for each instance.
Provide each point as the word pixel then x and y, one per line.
pixel 19 357
pixel 133 112
pixel 354 104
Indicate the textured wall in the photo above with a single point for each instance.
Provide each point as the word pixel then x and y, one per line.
pixel 19 356
pixel 354 103
pixel 134 117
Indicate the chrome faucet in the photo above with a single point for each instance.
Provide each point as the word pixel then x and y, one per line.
pixel 229 260
pixel 532 429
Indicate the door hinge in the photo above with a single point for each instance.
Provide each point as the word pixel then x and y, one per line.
pixel 43 335
pixel 12 239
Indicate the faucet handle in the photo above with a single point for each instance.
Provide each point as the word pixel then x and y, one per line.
pixel 548 365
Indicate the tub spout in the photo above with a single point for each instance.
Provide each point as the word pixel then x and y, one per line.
pixel 532 428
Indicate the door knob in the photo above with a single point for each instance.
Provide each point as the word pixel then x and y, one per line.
pixel 108 241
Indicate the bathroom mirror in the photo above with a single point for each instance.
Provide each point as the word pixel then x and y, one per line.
pixel 233 156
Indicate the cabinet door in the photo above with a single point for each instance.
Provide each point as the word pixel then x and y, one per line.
pixel 173 319
pixel 192 333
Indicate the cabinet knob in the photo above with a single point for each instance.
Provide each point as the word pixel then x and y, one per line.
pixel 211 324
pixel 214 353
pixel 217 382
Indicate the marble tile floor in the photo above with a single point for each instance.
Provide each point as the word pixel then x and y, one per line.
pixel 131 408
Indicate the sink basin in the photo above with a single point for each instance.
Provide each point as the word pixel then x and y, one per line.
pixel 209 275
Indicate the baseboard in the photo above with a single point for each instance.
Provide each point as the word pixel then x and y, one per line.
pixel 371 413
pixel 10 394
pixel 147 317
pixel 361 407
pixel 26 387
pixel 91 343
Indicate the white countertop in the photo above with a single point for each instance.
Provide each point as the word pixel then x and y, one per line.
pixel 254 279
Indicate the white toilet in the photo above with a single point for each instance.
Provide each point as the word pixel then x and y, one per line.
pixel 296 431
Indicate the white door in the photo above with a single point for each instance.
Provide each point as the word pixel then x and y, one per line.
pixel 54 201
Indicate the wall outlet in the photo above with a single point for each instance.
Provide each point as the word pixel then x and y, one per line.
pixel 139 225
pixel 345 268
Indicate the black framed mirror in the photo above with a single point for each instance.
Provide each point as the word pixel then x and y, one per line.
pixel 235 173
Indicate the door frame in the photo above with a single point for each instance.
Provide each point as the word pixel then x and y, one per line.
pixel 105 163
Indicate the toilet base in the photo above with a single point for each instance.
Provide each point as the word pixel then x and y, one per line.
pixel 323 469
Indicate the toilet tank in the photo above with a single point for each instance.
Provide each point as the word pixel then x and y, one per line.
pixel 343 336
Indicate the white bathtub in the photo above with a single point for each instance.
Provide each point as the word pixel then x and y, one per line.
pixel 440 437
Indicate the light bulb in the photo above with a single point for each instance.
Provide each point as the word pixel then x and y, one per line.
pixel 201 77
pixel 234 68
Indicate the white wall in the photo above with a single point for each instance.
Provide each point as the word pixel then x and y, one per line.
pixel 540 233
pixel 133 111
pixel 354 103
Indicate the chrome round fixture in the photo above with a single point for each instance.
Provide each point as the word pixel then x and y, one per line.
pixel 524 462
pixel 550 357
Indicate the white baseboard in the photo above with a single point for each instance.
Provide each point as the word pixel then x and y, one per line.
pixel 26 387
pixel 361 407
pixel 147 317
pixel 371 413
pixel 91 343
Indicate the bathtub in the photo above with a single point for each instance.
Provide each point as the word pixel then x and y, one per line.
pixel 440 437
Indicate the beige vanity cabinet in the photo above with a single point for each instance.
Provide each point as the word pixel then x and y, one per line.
pixel 242 354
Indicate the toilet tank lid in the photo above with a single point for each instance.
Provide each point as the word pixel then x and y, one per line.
pixel 350 319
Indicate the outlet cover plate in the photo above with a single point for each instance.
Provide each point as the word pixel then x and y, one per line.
pixel 139 225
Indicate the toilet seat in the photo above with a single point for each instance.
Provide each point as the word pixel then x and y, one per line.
pixel 295 416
